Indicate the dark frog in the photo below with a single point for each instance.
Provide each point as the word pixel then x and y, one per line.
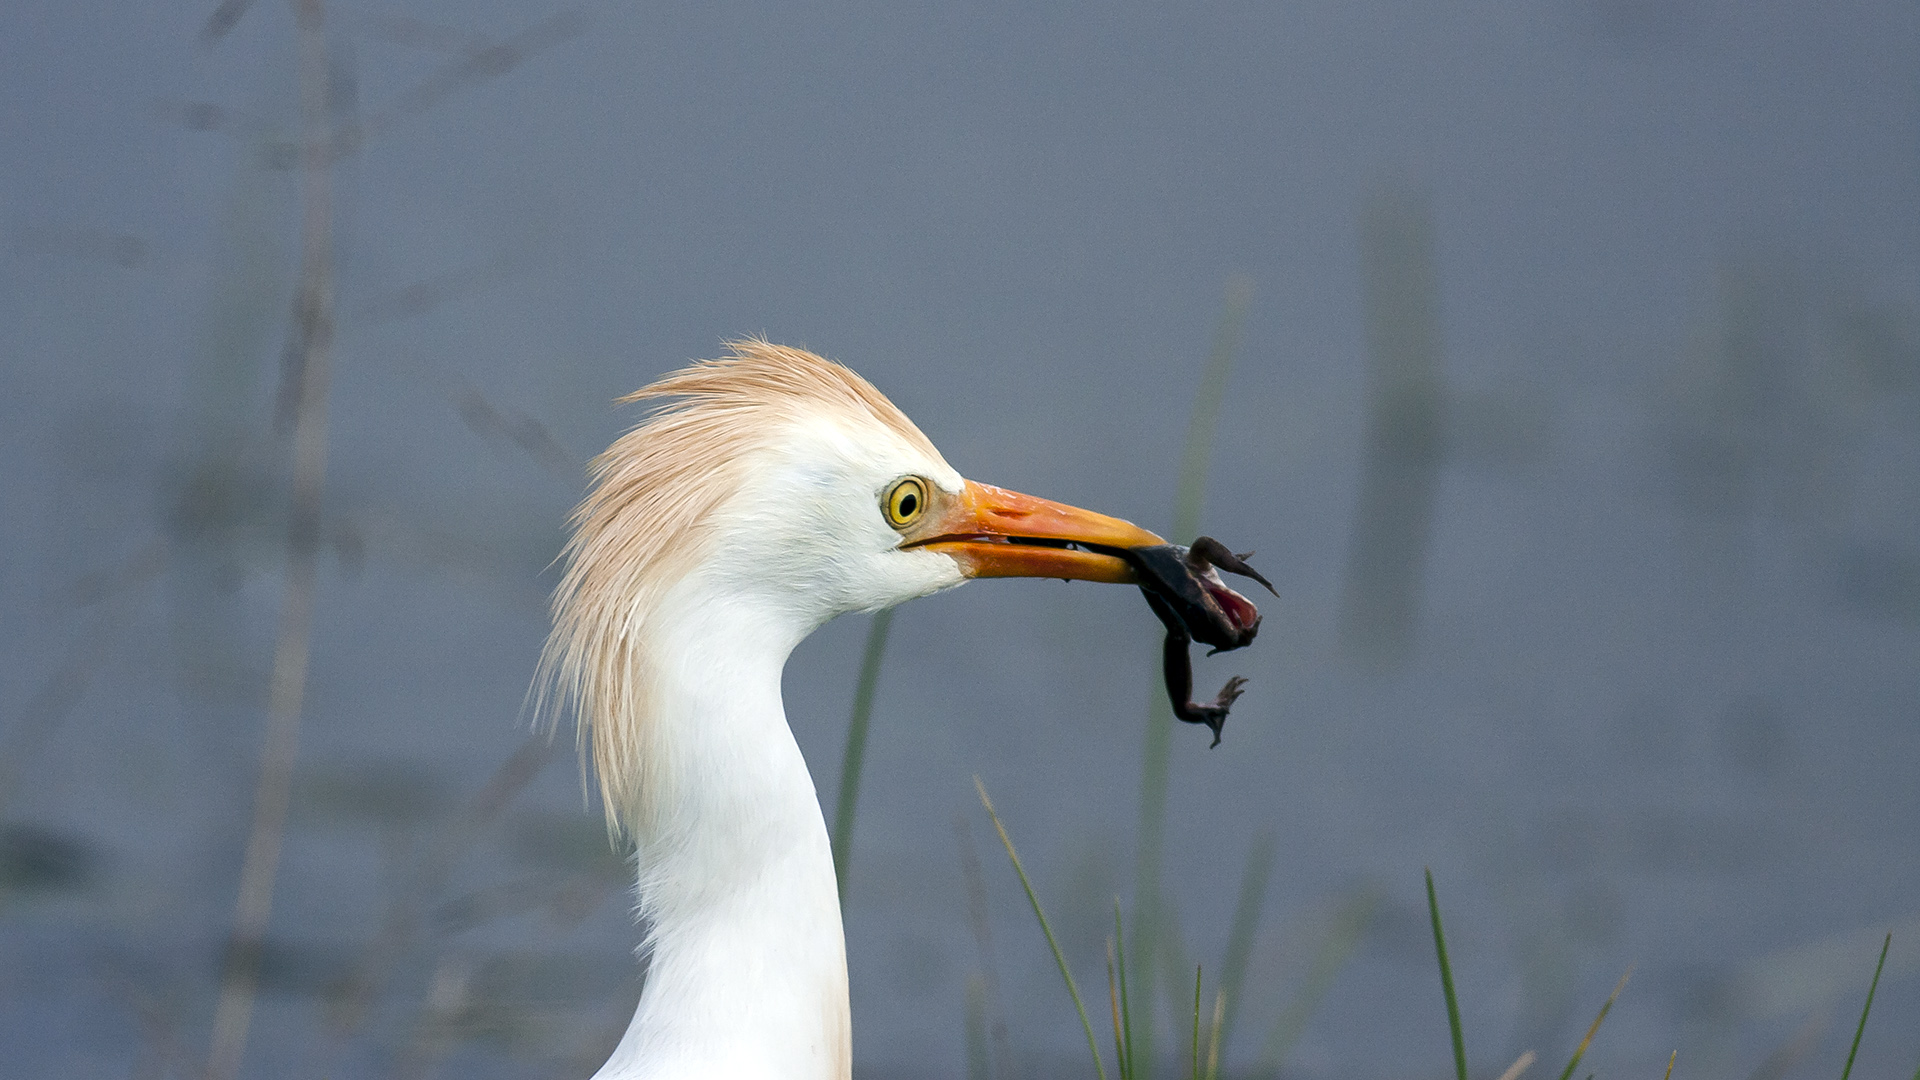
pixel 1183 587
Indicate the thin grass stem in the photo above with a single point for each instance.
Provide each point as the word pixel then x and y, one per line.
pixel 1594 1028
pixel 1446 984
pixel 854 759
pixel 1674 1055
pixel 1195 1074
pixel 1059 958
pixel 1213 1037
pixel 1871 987
pixel 1126 1007
pixel 1113 1000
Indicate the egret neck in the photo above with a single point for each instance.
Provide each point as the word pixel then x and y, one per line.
pixel 747 967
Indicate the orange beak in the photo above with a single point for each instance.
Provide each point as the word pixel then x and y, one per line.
pixel 993 532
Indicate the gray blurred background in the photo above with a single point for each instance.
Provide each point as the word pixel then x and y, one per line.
pixel 1575 415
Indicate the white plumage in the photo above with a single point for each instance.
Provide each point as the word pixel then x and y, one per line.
pixel 774 493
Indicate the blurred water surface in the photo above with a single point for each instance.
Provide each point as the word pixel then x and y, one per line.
pixel 1576 417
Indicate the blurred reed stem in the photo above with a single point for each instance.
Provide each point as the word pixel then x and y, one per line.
pixel 1155 757
pixel 1349 923
pixel 1001 1060
pixel 1246 922
pixel 313 327
pixel 1123 1005
pixel 1195 1073
pixel 979 1057
pixel 1525 1061
pixel 854 759
pixel 57 697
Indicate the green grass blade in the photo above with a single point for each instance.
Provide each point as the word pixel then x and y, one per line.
pixel 1593 1029
pixel 1059 958
pixel 1246 922
pixel 1113 1002
pixel 1126 1006
pixel 1670 1060
pixel 1446 983
pixel 855 757
pixel 1871 987
pixel 1195 1074
pixel 1156 754
pixel 1213 1036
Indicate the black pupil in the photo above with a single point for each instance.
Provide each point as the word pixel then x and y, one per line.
pixel 907 502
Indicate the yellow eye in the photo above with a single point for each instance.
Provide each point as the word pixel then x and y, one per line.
pixel 905 502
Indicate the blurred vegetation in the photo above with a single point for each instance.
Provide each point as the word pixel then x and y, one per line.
pixel 1766 415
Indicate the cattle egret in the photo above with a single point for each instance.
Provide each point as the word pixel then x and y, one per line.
pixel 771 491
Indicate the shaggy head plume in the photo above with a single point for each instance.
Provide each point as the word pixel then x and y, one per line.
pixel 645 524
